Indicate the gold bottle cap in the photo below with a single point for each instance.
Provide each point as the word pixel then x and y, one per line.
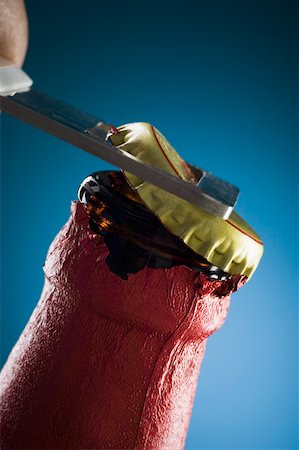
pixel 232 245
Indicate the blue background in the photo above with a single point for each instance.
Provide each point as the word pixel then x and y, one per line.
pixel 218 78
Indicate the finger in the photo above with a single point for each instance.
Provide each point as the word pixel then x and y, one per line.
pixel 13 31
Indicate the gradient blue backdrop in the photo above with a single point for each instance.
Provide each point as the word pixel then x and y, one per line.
pixel 218 78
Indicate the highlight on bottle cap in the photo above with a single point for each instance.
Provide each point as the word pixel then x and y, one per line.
pixel 232 245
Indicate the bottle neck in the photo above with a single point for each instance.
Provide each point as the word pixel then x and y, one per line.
pixel 134 235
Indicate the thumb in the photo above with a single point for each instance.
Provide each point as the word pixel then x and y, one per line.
pixel 13 31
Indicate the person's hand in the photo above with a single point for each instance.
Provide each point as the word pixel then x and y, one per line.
pixel 13 31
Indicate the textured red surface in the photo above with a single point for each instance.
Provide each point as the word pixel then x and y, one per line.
pixel 105 363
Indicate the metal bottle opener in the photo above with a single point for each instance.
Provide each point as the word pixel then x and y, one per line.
pixel 88 132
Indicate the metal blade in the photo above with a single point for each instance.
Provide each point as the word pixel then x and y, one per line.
pixel 89 132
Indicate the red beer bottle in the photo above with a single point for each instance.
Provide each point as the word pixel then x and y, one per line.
pixel 135 282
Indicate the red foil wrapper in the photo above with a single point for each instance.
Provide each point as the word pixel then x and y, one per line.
pixel 105 363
